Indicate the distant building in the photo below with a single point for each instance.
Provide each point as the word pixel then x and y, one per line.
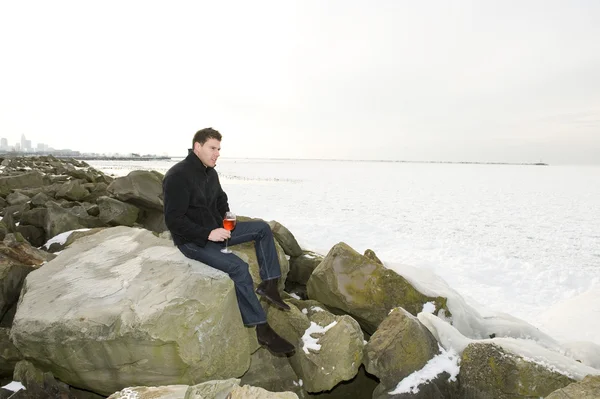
pixel 3 144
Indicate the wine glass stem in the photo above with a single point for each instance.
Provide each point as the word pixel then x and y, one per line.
pixel 226 241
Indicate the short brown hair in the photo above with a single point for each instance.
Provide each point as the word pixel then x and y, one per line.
pixel 203 135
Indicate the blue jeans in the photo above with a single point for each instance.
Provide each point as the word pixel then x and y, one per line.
pixel 266 253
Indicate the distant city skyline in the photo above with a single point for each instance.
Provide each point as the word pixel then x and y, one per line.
pixel 493 81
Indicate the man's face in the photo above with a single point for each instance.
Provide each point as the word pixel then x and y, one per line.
pixel 208 152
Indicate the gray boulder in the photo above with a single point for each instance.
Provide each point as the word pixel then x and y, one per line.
pixel 400 346
pixel 60 220
pixel 114 212
pixel 301 267
pixel 21 180
pixel 123 307
pixel 39 199
pixel 9 354
pixel 488 371
pixel 272 373
pixel 139 187
pixel 329 348
pixel 40 384
pixel 285 238
pixel 17 199
pixel 589 388
pixel 72 191
pixel 363 288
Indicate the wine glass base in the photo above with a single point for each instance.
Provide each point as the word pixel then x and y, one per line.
pixel 227 251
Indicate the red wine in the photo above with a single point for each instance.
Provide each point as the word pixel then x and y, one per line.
pixel 229 224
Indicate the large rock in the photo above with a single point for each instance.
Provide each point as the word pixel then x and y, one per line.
pixel 114 212
pixel 72 191
pixel 301 267
pixel 488 371
pixel 249 392
pixel 17 260
pixel 40 384
pixel 247 252
pixel 285 238
pixel 21 180
pixel 589 388
pixel 17 199
pixel 123 308
pixel 272 373
pixel 139 187
pixel 9 354
pixel 363 288
pixel 60 220
pixel 400 346
pixel 329 348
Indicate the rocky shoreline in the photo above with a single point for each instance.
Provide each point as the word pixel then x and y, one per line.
pixel 114 310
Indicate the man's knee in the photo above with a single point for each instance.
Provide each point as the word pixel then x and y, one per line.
pixel 264 228
pixel 240 272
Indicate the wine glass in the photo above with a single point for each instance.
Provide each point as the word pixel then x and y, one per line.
pixel 228 224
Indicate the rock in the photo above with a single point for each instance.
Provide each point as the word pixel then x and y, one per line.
pixel 122 308
pixel 35 217
pixel 152 220
pixel 17 199
pixel 361 386
pixel 247 253
pixel 22 180
pixel 72 191
pixel 17 260
pixel 60 220
pixel 39 199
pixel 91 209
pixel 217 389
pixel 337 344
pixel 212 389
pixel 285 238
pixel 487 370
pixel 35 235
pixel 161 392
pixel 71 238
pixel 249 392
pixel 366 290
pixel 400 346
pixel 589 388
pixel 39 384
pixel 272 373
pixel 114 212
pixel 301 267
pixel 96 191
pixel 139 187
pixel 369 253
pixel 9 354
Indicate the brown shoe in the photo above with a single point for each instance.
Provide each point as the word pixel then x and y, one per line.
pixel 268 290
pixel 266 336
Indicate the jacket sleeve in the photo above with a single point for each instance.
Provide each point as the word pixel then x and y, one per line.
pixel 222 202
pixel 176 191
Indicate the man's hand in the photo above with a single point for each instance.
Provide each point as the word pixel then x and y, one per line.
pixel 219 234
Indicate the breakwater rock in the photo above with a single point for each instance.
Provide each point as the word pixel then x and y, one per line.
pixel 96 302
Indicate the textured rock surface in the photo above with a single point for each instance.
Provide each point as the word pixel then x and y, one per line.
pixel 488 371
pixel 400 346
pixel 588 388
pixel 285 238
pixel 139 187
pixel 338 344
pixel 122 308
pixel 363 288
pixel 301 267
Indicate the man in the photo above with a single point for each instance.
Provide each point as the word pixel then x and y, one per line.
pixel 195 205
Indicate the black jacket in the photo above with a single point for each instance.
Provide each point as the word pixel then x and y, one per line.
pixel 195 203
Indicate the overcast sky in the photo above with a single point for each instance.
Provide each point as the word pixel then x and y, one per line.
pixel 512 81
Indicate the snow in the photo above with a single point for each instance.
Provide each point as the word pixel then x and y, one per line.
pixel 445 361
pixel 313 343
pixel 60 238
pixel 14 386
pixel 513 248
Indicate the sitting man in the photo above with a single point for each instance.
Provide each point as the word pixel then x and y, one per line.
pixel 195 205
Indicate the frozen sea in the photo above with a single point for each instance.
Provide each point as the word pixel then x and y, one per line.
pixel 524 240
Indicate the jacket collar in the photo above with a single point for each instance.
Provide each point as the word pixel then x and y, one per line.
pixel 194 160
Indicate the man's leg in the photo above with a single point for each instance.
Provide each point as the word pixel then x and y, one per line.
pixel 250 308
pixel 266 253
pixel 261 234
